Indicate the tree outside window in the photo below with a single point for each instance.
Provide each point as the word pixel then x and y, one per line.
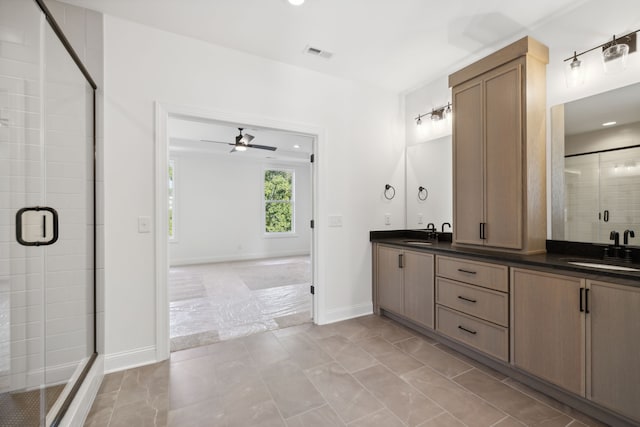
pixel 279 201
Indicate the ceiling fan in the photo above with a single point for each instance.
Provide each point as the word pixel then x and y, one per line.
pixel 243 142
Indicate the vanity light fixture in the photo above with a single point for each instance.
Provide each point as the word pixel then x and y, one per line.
pixel 296 2
pixel 609 123
pixel 436 114
pixel 296 146
pixel 575 72
pixel 614 58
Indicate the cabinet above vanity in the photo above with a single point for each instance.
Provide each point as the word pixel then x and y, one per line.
pixel 499 150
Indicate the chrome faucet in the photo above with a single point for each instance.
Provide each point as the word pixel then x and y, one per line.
pixel 627 234
pixel 445 223
pixel 431 227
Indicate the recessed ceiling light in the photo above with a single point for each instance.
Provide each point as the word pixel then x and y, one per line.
pixel 296 2
pixel 296 146
pixel 609 123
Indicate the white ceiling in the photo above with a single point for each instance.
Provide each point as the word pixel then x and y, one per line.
pixel 588 114
pixel 395 44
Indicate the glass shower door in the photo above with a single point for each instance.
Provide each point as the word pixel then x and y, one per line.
pixel 46 219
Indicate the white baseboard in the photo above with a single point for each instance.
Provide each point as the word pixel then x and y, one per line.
pixel 129 359
pixel 234 257
pixel 79 409
pixel 344 313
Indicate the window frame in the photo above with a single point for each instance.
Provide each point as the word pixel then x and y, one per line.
pixel 292 202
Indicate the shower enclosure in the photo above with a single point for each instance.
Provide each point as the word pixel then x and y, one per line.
pixel 47 217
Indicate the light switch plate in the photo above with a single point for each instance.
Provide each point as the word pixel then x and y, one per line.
pixel 144 224
pixel 335 220
pixel 387 219
pixel 420 218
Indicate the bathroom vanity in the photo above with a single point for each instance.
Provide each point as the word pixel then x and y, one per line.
pixel 568 330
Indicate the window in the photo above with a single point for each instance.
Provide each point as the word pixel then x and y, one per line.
pixel 171 188
pixel 279 201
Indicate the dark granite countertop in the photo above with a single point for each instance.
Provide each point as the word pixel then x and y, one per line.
pixel 556 260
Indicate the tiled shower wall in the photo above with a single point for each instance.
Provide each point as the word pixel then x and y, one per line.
pixel 21 294
pixel 46 320
pixel 598 182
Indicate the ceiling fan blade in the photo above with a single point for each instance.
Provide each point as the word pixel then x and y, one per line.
pixel 246 138
pixel 217 142
pixel 262 147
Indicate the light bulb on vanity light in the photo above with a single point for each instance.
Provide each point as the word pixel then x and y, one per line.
pixel 296 2
pixel 614 58
pixel 575 72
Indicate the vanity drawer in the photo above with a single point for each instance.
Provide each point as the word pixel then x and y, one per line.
pixel 479 302
pixel 492 276
pixel 486 337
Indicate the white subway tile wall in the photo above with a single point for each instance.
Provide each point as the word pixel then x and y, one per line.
pixel 597 182
pixel 46 159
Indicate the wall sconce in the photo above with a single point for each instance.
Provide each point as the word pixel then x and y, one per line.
pixel 436 114
pixel 614 58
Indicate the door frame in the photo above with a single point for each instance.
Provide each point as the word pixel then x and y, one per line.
pixel 162 113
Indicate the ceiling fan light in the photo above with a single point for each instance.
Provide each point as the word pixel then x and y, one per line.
pixel 240 148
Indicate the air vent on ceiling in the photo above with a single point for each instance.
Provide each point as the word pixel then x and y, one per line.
pixel 314 51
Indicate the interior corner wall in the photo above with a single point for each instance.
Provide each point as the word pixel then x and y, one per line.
pixel 219 210
pixel 361 150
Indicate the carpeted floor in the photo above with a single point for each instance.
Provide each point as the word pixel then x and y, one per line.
pixel 220 301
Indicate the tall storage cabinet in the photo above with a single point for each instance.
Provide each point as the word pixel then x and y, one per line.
pixel 499 146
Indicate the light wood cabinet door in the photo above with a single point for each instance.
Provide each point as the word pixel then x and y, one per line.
pixel 390 279
pixel 613 347
pixel 419 288
pixel 503 157
pixel 547 327
pixel 468 164
pixel 499 145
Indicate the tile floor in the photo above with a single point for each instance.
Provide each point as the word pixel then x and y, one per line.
pixel 361 372
pixel 220 301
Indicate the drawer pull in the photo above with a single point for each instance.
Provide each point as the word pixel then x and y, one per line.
pixel 466 299
pixel 466 271
pixel 467 330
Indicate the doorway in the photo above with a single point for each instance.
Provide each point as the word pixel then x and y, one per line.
pixel 239 247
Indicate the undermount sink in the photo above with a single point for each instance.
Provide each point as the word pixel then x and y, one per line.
pixel 418 242
pixel 602 266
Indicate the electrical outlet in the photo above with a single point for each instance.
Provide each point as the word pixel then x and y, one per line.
pixel 387 219
pixel 420 218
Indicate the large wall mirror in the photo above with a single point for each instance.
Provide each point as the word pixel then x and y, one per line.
pixel 429 166
pixel 596 167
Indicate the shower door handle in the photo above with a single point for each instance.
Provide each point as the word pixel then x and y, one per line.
pixel 37 226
